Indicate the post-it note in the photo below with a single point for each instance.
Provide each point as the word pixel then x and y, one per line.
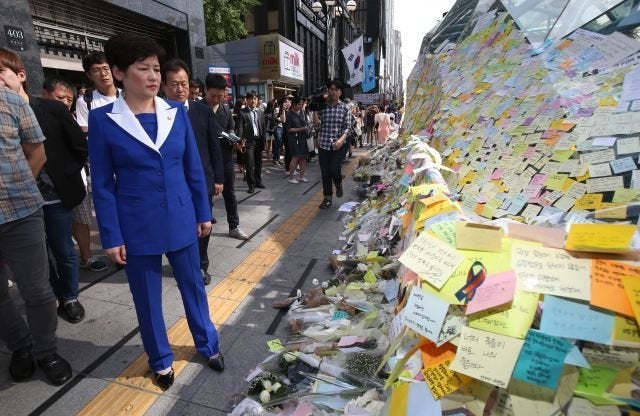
pixel 607 287
pixel 632 289
pixel 486 356
pixel 513 320
pixel 571 319
pixel 275 345
pixel 480 237
pixel 496 290
pixel 440 378
pixel 600 237
pixel 551 271
pixel 541 359
pixel 431 259
pixel 424 313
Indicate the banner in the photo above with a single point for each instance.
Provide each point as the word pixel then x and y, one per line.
pixel 354 55
pixel 369 79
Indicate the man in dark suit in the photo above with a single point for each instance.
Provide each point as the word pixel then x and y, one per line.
pixel 60 184
pixel 175 83
pixel 216 88
pixel 251 129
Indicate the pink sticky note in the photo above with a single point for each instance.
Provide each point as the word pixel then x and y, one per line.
pixel 497 289
pixel 304 409
pixel 497 174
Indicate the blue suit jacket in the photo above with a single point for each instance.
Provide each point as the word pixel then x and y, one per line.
pixel 148 196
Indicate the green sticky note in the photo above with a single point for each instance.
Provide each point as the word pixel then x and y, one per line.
pixel 372 255
pixel 594 382
pixel 370 277
pixel 275 345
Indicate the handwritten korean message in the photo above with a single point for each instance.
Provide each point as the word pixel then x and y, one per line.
pixel 431 259
pixel 551 271
pixel 569 319
pixel 440 378
pixel 486 356
pixel 541 359
pixel 424 313
pixel 607 287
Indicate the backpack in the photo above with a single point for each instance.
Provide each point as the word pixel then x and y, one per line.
pixel 88 97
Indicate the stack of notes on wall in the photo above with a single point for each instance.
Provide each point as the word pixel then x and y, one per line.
pixel 520 282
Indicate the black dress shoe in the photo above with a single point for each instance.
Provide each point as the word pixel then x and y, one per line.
pixel 206 277
pixel 251 189
pixel 72 311
pixel 261 186
pixel 22 365
pixel 339 191
pixel 217 363
pixel 165 380
pixel 56 368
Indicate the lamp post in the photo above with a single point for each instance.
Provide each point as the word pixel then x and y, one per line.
pixel 335 9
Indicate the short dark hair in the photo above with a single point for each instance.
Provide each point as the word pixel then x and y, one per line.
pixel 216 81
pixel 296 100
pixel 336 83
pixel 126 48
pixel 51 83
pixel 174 65
pixel 195 82
pixel 93 58
pixel 250 95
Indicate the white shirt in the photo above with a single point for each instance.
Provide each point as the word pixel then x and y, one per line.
pixel 99 100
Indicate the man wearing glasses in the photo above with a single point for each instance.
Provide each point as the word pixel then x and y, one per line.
pixel 105 92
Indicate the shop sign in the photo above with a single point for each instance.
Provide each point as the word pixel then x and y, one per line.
pixel 367 99
pixel 291 62
pixel 268 56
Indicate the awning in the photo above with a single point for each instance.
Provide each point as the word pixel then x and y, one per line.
pixel 58 63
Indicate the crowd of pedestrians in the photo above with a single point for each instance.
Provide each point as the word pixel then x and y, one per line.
pixel 150 167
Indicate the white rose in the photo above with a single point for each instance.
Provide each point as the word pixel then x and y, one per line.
pixel 265 396
pixel 266 384
pixel 275 387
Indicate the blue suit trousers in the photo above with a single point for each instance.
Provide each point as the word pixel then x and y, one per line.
pixel 145 281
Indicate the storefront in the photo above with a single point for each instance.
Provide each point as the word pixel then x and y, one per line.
pixel 270 65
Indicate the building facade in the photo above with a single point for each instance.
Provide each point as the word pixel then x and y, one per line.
pixel 56 34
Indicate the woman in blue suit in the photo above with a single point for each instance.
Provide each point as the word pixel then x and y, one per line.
pixel 150 198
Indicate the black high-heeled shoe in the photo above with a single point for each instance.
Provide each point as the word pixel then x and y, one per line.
pixel 164 380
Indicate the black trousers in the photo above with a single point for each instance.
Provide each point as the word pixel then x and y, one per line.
pixel 229 192
pixel 330 169
pixel 203 243
pixel 253 162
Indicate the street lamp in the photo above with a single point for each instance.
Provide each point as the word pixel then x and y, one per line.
pixel 334 10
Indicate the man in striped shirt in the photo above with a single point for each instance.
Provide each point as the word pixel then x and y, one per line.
pixel 333 131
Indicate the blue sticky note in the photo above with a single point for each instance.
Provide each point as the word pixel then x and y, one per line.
pixel 573 319
pixel 405 180
pixel 541 359
pixel 391 290
pixel 576 358
pixel 420 401
pixel 337 315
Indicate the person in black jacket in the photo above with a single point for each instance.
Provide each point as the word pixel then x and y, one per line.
pixel 175 84
pixel 215 92
pixel 61 186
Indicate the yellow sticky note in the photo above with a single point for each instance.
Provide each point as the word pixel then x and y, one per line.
pixel 512 319
pixel 589 201
pixel 487 356
pixel 612 210
pixel 626 195
pixel 562 155
pixel 632 289
pixel 625 332
pixel 600 237
pixel 370 277
pixel 439 377
pixel 431 259
pixel 480 237
pixel 275 345
pixel 399 399
pixel 425 188
pixel 556 181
